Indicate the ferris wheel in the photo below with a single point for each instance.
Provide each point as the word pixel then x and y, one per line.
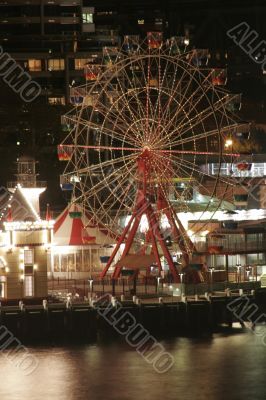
pixel 147 121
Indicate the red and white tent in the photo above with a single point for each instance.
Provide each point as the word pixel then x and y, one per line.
pixel 73 227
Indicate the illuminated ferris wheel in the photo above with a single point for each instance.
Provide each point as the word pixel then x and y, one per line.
pixel 148 118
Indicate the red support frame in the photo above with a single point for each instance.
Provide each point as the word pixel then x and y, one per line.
pixel 144 207
pixel 128 235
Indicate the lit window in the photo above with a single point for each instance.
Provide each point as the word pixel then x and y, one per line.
pixel 57 101
pixel 158 21
pixel 35 65
pixel 28 286
pixel 80 63
pixel 141 21
pixel 75 179
pixel 2 286
pixel 56 64
pixel 28 257
pixel 2 290
pixel 87 18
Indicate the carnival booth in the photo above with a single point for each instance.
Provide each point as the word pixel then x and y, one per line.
pixel 81 247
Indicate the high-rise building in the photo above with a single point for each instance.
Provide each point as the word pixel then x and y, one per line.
pixel 52 40
pixel 48 42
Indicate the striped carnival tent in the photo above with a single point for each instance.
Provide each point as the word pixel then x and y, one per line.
pixel 80 246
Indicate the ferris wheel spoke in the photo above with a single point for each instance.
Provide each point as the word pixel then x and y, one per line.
pixel 164 82
pixel 117 193
pixel 120 105
pixel 139 112
pixel 155 111
pixel 204 135
pixel 168 137
pixel 171 125
pixel 189 168
pixel 165 171
pixel 126 193
pixel 135 127
pixel 126 105
pixel 108 131
pixel 197 95
pixel 200 117
pixel 133 91
pixel 167 187
pixel 148 105
pixel 184 94
pixel 113 114
pixel 193 101
pixel 151 116
pixel 196 137
pixel 215 106
pixel 107 206
pixel 196 170
pixel 106 181
pixel 104 164
pixel 175 88
pixel 175 163
pixel 189 173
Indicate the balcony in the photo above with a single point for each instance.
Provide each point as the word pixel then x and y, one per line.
pixel 70 20
pixel 64 3
pixel 27 184
pixel 228 246
pixel 20 20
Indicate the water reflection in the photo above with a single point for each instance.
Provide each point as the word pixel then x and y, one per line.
pixel 223 367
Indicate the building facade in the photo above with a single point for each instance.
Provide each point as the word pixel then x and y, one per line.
pixel 25 239
pixel 23 259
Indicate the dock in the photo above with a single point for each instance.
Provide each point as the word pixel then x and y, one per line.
pixel 80 321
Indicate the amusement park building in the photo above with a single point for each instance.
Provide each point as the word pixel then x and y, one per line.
pixel 235 233
pixel 80 247
pixel 24 237
pixel 231 241
pixel 24 244
pixel 31 248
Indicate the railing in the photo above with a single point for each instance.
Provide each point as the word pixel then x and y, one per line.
pixel 26 184
pixel 82 287
pixel 146 287
pixel 229 246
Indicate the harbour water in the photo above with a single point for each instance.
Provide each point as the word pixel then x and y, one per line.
pixel 224 366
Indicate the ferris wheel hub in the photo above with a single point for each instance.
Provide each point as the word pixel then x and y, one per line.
pixel 146 149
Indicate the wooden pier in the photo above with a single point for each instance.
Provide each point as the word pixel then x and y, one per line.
pixel 81 321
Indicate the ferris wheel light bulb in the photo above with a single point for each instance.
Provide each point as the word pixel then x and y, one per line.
pixel 228 143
